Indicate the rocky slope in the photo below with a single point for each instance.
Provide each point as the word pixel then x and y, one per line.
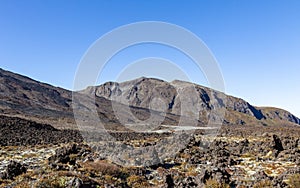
pixel 142 91
pixel 23 97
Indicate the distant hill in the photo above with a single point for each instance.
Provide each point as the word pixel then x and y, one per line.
pixel 139 93
pixel 26 98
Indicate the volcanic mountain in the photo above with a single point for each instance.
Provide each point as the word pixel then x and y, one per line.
pixel 134 101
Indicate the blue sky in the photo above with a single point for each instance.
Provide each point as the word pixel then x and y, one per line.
pixel 256 42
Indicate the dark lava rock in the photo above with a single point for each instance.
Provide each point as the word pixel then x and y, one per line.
pixel 188 181
pixel 277 145
pixel 169 181
pixel 243 146
pixel 221 175
pixel 20 132
pixel 63 155
pixel 12 170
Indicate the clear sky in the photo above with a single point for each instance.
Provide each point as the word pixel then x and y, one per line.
pixel 256 42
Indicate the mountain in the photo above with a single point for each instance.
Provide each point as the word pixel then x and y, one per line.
pixel 140 92
pixel 26 98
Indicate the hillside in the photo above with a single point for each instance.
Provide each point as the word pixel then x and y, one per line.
pixel 43 103
pixel 141 91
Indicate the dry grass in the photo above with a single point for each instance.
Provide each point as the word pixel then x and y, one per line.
pixel 23 184
pixel 212 183
pixel 51 182
pixel 263 184
pixel 104 168
pixel 294 181
pixel 137 181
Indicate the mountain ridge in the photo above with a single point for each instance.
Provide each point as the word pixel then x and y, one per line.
pixel 24 97
pixel 110 90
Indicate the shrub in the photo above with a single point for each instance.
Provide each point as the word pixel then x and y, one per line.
pixel 294 181
pixel 137 181
pixel 103 168
pixel 51 182
pixel 263 184
pixel 23 184
pixel 212 183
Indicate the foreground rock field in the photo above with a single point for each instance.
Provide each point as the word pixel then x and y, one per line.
pixel 237 157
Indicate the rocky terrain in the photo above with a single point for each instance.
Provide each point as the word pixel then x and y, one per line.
pixel 41 146
pixel 237 157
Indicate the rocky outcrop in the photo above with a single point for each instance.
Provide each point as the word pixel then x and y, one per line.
pixel 277 143
pixel 12 170
pixel 279 115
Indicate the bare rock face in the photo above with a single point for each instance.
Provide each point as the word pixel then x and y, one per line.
pixel 141 93
pixel 242 106
pixel 279 115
